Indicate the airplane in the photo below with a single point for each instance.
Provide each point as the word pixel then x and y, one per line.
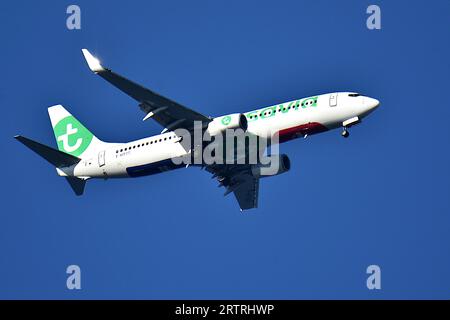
pixel 82 156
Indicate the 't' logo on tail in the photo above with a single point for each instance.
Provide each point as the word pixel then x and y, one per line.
pixel 65 139
pixel 72 137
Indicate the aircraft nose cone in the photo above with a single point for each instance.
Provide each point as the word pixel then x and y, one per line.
pixel 371 103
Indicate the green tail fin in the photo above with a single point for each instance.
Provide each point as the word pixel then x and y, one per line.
pixel 71 135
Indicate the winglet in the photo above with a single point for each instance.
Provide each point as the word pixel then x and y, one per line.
pixel 93 62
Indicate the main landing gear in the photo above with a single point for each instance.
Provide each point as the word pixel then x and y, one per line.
pixel 345 133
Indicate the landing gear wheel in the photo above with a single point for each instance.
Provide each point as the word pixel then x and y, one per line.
pixel 345 133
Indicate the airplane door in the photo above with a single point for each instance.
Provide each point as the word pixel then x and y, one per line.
pixel 333 100
pixel 101 158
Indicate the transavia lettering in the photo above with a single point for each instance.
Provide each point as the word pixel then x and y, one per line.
pixel 269 112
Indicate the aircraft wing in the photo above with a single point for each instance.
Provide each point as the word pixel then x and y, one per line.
pixel 247 193
pixel 238 179
pixel 170 114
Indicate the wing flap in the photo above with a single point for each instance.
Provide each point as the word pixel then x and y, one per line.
pixel 239 180
pixel 247 193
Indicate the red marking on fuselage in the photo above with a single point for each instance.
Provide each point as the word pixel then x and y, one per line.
pixel 301 130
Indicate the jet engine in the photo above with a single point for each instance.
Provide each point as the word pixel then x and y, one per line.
pixel 231 121
pixel 271 166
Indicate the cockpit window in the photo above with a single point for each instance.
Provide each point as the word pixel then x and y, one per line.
pixel 353 94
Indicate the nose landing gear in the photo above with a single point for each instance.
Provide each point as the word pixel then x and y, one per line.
pixel 347 124
pixel 345 133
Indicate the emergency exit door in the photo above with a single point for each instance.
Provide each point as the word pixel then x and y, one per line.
pixel 333 99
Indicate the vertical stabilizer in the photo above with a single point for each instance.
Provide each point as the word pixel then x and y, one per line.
pixel 71 135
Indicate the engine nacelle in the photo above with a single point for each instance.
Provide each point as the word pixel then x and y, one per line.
pixel 231 121
pixel 271 166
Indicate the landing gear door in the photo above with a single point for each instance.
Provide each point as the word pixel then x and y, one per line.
pixel 101 158
pixel 333 99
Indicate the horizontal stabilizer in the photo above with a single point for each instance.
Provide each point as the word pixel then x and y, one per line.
pixel 77 184
pixel 57 158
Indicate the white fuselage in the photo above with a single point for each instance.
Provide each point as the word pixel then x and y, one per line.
pixel 292 119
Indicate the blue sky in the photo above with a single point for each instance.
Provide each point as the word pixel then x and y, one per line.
pixel 380 197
